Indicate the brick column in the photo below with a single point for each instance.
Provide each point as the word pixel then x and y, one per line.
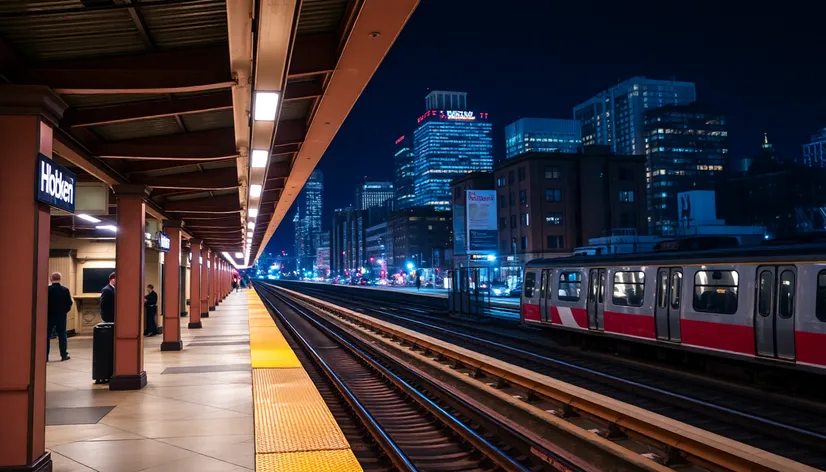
pixel 205 282
pixel 172 284
pixel 129 266
pixel 213 279
pixel 195 284
pixel 27 117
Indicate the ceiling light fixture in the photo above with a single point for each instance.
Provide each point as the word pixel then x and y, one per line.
pixel 253 213
pixel 255 190
pixel 90 219
pixel 259 159
pixel 111 228
pixel 266 104
pixel 251 225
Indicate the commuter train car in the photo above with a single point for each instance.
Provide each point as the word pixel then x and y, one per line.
pixel 765 303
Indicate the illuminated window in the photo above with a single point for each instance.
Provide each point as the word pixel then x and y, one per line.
pixel 627 196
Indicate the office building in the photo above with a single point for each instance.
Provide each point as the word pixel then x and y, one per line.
pixel 615 117
pixel 686 148
pixel 450 141
pixel 550 203
pixel 373 194
pixel 323 253
pixel 405 178
pixel 542 135
pixel 422 240
pixel 307 221
pixel 379 250
pixel 814 153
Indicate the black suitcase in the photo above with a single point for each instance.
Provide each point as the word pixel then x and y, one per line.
pixel 103 351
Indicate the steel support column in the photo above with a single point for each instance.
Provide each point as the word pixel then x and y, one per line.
pixel 195 284
pixel 172 284
pixel 27 117
pixel 129 266
pixel 213 280
pixel 205 253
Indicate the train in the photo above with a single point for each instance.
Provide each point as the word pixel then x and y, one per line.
pixel 762 303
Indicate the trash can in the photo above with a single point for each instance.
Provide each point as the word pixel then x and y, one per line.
pixel 103 351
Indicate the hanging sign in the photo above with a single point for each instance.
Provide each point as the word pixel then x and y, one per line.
pixel 55 184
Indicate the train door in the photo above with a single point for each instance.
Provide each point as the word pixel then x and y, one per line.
pixel 545 295
pixel 774 311
pixel 667 310
pixel 596 299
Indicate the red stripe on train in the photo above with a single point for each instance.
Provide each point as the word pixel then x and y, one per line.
pixel 722 336
pixel 632 325
pixel 530 312
pixel 809 347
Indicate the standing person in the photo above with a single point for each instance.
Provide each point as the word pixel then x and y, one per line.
pixel 418 282
pixel 59 303
pixel 107 300
pixel 234 285
pixel 150 309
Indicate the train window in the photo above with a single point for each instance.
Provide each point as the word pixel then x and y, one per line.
pixel 764 293
pixel 785 295
pixel 715 291
pixel 662 287
pixel 676 289
pixel 570 283
pixel 820 301
pixel 629 288
pixel 530 284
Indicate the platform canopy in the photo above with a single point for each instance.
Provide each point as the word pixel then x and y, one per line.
pixel 222 107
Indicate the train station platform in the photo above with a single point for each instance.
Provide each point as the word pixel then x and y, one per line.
pixel 196 412
pixel 236 398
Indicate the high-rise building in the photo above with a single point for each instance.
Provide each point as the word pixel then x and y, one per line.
pixel 814 153
pixel 307 221
pixel 405 179
pixel 542 135
pixel 373 194
pixel 450 141
pixel 614 117
pixel 686 148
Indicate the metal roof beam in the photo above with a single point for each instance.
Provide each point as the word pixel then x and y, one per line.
pixel 216 179
pixel 135 167
pixel 314 54
pixel 303 90
pixel 143 110
pixel 290 132
pixel 188 70
pixel 197 146
pixel 140 25
pixel 219 204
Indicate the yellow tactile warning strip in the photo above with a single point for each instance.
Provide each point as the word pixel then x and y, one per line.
pixel 318 461
pixel 294 429
pixel 268 348
pixel 290 414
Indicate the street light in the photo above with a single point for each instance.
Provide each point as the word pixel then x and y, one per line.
pixel 410 266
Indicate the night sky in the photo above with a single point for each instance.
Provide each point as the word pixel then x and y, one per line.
pixel 762 66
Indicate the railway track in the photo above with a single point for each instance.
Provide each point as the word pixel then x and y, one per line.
pixel 413 427
pixel 797 434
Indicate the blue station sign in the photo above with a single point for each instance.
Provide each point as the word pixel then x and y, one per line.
pixel 55 184
pixel 164 242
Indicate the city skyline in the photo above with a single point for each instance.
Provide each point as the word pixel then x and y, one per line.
pixel 542 74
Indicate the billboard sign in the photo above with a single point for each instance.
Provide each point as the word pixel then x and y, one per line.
pixel 482 236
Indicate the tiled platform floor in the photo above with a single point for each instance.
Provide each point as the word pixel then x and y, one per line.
pixel 198 416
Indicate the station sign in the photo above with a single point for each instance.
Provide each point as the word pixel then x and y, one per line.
pixel 55 184
pixel 164 242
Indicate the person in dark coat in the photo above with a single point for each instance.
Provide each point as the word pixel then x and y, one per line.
pixel 59 304
pixel 150 309
pixel 418 282
pixel 107 301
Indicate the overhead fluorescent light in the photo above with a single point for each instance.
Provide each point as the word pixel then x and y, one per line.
pixel 249 234
pixel 252 212
pixel 90 219
pixel 255 190
pixel 266 104
pixel 239 255
pixel 259 159
pixel 111 228
pixel 251 225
